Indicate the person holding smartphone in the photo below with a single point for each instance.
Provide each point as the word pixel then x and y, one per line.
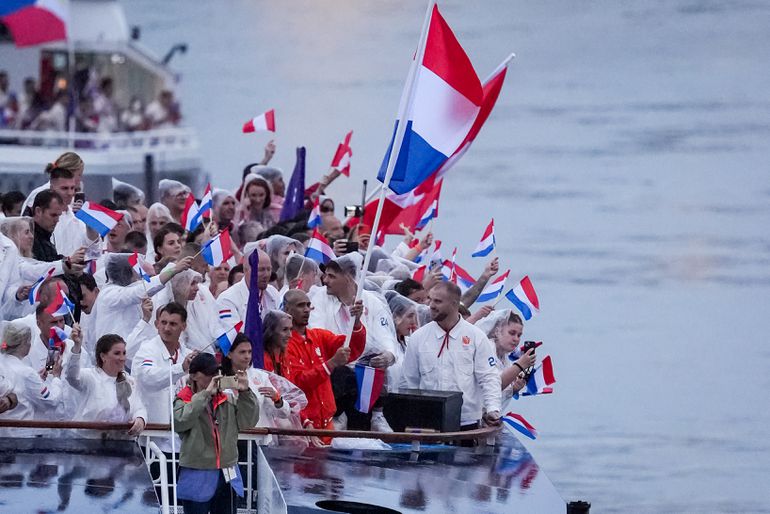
pixel 207 418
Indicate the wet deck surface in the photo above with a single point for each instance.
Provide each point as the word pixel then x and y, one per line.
pixel 438 479
pixel 73 475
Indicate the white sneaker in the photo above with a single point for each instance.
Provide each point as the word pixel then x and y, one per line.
pixel 379 423
pixel 340 422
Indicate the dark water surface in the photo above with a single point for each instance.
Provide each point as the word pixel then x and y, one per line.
pixel 626 166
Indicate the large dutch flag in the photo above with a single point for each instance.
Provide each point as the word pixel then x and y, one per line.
pixel 32 22
pixel 494 288
pixel 318 249
pixel 487 243
pixel 219 249
pixel 99 218
pixel 440 103
pixel 524 298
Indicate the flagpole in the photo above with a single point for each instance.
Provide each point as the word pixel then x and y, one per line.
pixel 73 98
pixel 392 158
pixel 173 431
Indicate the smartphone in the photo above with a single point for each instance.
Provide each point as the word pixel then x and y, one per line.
pixel 351 246
pixel 228 382
pixel 353 211
pixel 80 196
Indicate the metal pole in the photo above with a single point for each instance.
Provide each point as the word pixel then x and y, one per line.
pixel 149 177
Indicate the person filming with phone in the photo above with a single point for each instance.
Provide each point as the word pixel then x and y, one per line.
pixel 208 414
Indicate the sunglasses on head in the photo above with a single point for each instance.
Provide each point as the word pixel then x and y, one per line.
pixel 327 209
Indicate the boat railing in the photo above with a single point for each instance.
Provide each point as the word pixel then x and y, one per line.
pixel 270 499
pixel 175 138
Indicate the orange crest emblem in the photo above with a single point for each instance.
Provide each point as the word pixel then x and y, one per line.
pixel 466 340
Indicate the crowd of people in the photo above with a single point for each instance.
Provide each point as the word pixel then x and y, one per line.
pixel 93 108
pixel 128 340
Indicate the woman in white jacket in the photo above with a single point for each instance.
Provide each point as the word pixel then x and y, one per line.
pixel 108 394
pixel 38 396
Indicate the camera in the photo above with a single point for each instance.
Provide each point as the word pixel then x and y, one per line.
pixel 228 382
pixel 354 211
pixel 529 345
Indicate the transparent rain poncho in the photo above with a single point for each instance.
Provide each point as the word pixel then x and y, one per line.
pixel 168 188
pixel 124 194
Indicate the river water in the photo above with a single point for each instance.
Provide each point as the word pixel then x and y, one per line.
pixel 626 166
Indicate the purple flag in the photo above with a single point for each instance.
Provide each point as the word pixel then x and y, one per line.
pixel 254 317
pixel 294 199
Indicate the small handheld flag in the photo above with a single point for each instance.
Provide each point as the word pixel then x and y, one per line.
pixel 315 215
pixel 225 341
pixel 219 249
pixel 487 243
pixel 341 160
pixel 136 264
pixel 99 218
pixel 34 292
pixel 207 202
pixel 56 337
pixel 370 381
pixel 524 298
pixel 190 218
pixel 418 275
pixel 463 279
pixel 493 288
pixel 429 214
pixel 61 305
pixel 541 379
pixel 318 249
pixel 516 422
pixel 265 121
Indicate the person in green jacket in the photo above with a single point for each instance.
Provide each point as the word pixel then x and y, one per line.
pixel 208 420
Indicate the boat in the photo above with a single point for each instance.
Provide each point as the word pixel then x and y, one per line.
pixel 100 41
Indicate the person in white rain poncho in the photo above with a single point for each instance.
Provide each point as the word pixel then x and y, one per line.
pixel 157 216
pixel 70 233
pixel 232 302
pixel 118 306
pixel 302 273
pixel 504 328
pixel 331 303
pixel 107 392
pixel 279 248
pixel 203 325
pixel 38 395
pixel 279 400
pixel 173 194
pixel 405 322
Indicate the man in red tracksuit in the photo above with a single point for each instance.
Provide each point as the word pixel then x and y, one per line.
pixel 313 353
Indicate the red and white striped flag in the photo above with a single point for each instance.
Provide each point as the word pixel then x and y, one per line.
pixel 265 121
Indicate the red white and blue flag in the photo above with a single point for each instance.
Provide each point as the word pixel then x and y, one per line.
pixel 429 214
pixel 34 292
pixel 370 381
pixel 32 22
pixel 524 298
pixel 493 288
pixel 225 341
pixel 99 218
pixel 60 306
pixel 218 249
pixel 440 103
pixel 136 264
pixel 341 160
pixel 206 203
pixel 516 422
pixel 418 275
pixel 190 218
pixel 315 215
pixel 540 380
pixel 265 121
pixel 318 249
pixel 487 243
pixel 56 338
pixel 457 275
